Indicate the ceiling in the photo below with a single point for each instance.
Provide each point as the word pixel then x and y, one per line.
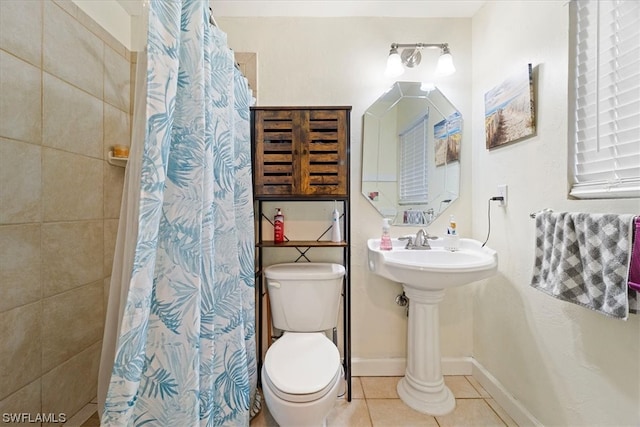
pixel 398 8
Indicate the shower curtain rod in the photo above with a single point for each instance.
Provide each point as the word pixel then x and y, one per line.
pixel 534 214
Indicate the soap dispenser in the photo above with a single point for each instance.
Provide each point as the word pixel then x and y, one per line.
pixel 452 239
pixel 385 240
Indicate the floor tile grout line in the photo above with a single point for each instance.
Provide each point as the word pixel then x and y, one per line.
pixel 366 404
pixel 436 419
pixel 480 390
pixel 496 412
pixel 473 387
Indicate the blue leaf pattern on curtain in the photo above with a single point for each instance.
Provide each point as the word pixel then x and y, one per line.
pixel 186 351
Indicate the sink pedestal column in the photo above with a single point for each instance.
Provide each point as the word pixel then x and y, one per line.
pixel 422 387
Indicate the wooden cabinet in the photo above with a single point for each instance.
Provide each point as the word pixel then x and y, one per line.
pixel 302 154
pixel 301 151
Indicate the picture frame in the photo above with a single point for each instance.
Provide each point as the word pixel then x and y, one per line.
pixel 510 110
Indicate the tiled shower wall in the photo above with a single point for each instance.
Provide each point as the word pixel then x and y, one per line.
pixel 64 101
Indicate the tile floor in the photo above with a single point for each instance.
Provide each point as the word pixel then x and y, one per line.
pixel 375 402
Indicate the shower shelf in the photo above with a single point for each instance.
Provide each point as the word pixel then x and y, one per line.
pixel 117 161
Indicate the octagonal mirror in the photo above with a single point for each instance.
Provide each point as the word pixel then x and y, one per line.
pixel 411 153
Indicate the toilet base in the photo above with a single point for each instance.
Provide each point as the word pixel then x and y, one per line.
pixel 306 414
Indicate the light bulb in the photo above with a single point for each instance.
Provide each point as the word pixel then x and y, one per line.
pixel 427 86
pixel 445 65
pixel 394 64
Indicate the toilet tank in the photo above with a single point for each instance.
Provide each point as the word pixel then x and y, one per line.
pixel 304 297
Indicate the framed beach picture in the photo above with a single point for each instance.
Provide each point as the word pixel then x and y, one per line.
pixel 448 134
pixel 509 113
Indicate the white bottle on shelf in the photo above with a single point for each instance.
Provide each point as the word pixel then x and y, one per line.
pixel 335 225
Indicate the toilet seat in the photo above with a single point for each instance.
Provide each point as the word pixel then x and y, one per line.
pixel 301 398
pixel 302 367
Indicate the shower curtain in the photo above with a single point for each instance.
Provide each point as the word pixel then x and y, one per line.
pixel 179 346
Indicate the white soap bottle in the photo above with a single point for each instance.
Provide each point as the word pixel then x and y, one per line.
pixel 452 239
pixel 335 225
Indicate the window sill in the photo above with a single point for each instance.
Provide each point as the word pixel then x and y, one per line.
pixel 606 190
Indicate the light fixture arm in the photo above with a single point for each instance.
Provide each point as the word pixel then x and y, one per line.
pixel 443 46
pixel 411 57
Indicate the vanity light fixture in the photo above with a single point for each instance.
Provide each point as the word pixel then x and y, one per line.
pixel 411 57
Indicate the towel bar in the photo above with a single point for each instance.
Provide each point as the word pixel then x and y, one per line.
pixel 533 215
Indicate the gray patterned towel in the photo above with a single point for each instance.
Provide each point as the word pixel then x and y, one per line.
pixel 584 259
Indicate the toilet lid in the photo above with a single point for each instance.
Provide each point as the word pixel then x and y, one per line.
pixel 302 363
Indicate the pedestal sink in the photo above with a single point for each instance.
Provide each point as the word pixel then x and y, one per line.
pixel 425 274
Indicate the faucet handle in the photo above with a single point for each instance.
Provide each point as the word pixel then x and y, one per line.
pixel 409 240
pixel 430 236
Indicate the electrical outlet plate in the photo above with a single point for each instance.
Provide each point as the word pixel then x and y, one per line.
pixel 502 191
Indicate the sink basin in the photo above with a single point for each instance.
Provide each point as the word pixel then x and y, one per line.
pixel 425 275
pixel 435 268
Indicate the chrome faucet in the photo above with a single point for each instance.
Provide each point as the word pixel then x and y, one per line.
pixel 421 241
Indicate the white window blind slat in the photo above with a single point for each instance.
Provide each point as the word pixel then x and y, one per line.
pixel 626 158
pixel 621 121
pixel 625 98
pixel 606 89
pixel 612 77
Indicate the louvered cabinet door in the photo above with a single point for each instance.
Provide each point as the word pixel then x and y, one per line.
pixel 301 151
pixel 273 139
pixel 324 153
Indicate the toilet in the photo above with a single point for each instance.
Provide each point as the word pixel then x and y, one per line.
pixel 302 374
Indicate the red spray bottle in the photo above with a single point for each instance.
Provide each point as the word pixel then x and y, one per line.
pixel 278 227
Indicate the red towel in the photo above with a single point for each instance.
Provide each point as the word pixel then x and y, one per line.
pixel 634 265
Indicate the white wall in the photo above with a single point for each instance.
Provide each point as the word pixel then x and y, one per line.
pixel 340 61
pixel 567 365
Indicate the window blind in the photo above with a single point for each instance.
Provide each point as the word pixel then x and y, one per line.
pixel 606 88
pixel 413 163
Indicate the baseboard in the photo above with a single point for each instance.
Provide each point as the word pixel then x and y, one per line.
pixel 361 367
pixel 394 367
pixel 510 404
